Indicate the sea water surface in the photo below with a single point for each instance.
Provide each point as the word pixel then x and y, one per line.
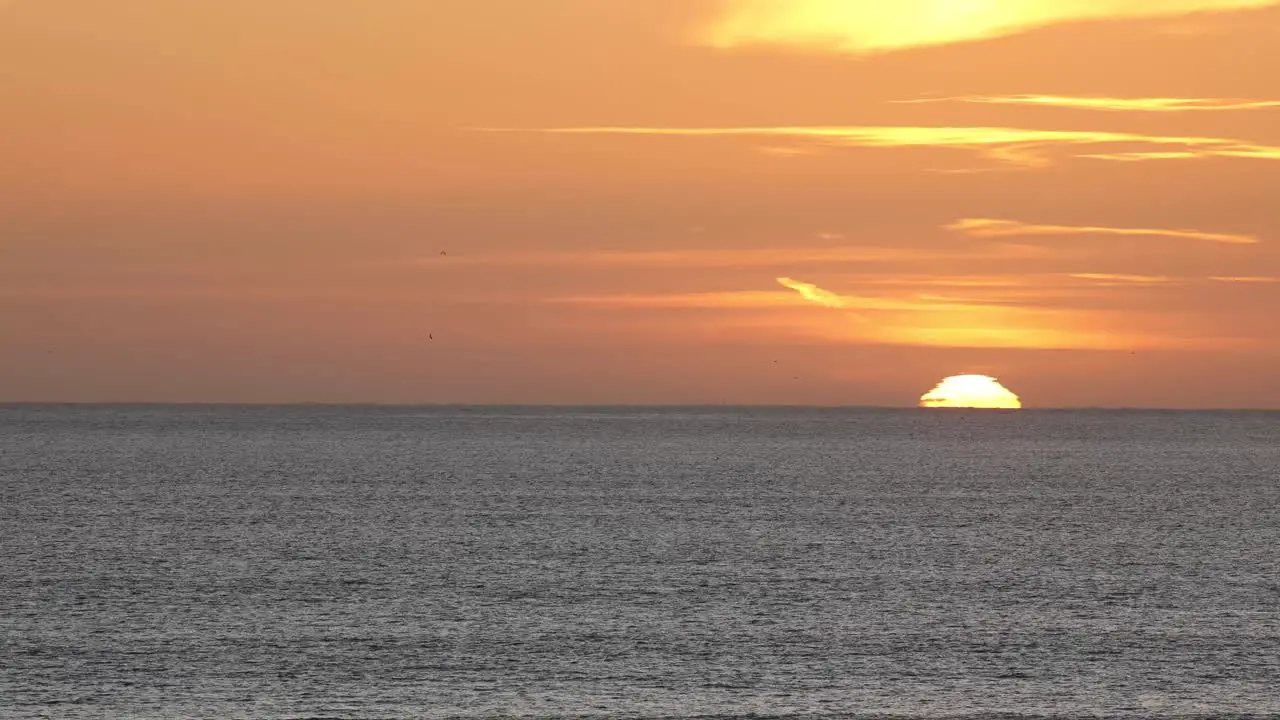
pixel 326 562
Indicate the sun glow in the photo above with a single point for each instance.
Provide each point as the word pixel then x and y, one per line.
pixel 970 391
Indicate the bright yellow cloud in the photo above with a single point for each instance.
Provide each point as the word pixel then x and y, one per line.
pixel 989 228
pixel 1110 103
pixel 871 26
pixel 1023 147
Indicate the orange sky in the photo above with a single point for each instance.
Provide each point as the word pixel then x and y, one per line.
pixel 667 201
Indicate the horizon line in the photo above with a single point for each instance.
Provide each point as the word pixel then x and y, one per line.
pixel 5 404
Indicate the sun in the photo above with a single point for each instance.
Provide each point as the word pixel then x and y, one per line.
pixel 970 391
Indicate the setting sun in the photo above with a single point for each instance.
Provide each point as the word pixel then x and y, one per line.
pixel 970 391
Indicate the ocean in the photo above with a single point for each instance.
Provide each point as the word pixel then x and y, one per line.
pixel 397 562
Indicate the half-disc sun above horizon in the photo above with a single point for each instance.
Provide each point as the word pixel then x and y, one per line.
pixel 971 391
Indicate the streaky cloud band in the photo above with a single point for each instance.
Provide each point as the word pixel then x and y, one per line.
pixel 1108 104
pixel 1019 147
pixel 993 228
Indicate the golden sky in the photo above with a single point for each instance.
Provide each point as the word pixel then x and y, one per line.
pixel 639 201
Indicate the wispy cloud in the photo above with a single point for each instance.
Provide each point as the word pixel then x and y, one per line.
pixel 743 258
pixel 804 295
pixel 783 151
pixel 1139 156
pixel 992 228
pixel 956 281
pixel 740 300
pixel 1044 314
pixel 851 26
pixel 1249 279
pixel 1000 288
pixel 915 320
pixel 1110 103
pixel 1124 279
pixel 815 294
pixel 1023 147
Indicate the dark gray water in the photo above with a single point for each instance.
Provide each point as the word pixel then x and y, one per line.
pixel 404 563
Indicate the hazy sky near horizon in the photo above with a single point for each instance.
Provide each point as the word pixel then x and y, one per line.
pixel 639 201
